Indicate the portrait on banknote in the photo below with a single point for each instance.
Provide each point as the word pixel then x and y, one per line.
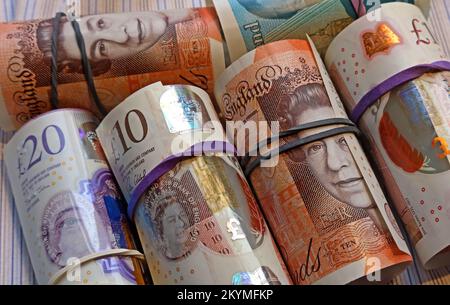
pixel 72 228
pixel 75 225
pixel 319 200
pixel 191 219
pixel 171 222
pixel 182 219
pixel 75 209
pixel 116 44
pixel 333 175
pixel 125 51
pixel 173 211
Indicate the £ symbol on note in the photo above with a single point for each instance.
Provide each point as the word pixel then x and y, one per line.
pixel 443 146
pixel 417 31
pixel 234 227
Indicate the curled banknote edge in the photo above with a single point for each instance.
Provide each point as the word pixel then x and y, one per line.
pixel 194 211
pixel 322 200
pixel 403 110
pixel 249 24
pixel 127 51
pixel 69 206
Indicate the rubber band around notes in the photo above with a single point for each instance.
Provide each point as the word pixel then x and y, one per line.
pixel 350 127
pixel 94 256
pixel 84 61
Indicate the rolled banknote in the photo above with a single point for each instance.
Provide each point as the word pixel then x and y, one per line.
pixel 126 51
pixel 69 206
pixel 194 211
pixel 403 109
pixel 322 200
pixel 248 24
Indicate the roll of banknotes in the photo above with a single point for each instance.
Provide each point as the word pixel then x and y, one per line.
pixel 194 211
pixel 248 24
pixel 72 215
pixel 388 81
pixel 126 51
pixel 321 200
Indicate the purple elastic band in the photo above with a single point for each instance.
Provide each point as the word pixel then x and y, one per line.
pixel 169 163
pixel 406 75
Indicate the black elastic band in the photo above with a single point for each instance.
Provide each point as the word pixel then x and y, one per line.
pixel 87 68
pixel 84 61
pixel 283 134
pixel 54 61
pixel 351 128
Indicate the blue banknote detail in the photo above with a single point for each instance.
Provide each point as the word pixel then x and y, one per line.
pixel 261 276
pixel 259 25
pixel 252 27
pixel 409 96
pixel 322 22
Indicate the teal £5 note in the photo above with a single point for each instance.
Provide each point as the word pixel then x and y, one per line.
pixel 248 24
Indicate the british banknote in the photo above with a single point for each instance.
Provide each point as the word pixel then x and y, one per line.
pixel 195 213
pixel 249 24
pixel 322 200
pixel 126 51
pixel 70 208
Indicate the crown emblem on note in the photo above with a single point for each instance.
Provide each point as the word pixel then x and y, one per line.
pixel 157 199
pixel 383 39
pixel 26 35
pixel 299 76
